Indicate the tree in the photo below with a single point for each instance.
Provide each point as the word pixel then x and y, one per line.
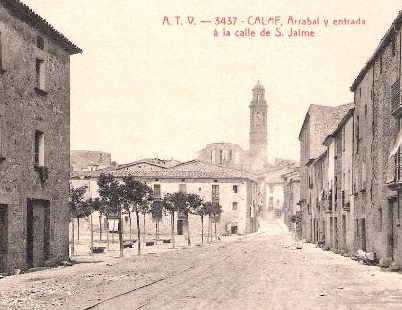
pixel 174 202
pixel 157 207
pixel 216 211
pixel 193 203
pixel 111 194
pixel 75 200
pixel 202 211
pixel 136 195
pixel 94 205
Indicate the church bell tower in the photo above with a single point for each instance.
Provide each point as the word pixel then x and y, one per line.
pixel 258 128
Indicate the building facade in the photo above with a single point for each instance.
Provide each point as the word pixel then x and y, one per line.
pixel 82 160
pixel 236 191
pixel 34 139
pixel 291 208
pixel 377 152
pixel 319 122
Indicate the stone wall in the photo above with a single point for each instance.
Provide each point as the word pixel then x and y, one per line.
pixel 23 111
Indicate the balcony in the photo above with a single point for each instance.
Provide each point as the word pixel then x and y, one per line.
pixel 345 201
pixel 396 107
pixel 394 173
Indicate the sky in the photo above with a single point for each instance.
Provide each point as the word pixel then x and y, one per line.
pixel 144 89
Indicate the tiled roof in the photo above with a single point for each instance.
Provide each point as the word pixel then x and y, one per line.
pixel 26 14
pixel 194 170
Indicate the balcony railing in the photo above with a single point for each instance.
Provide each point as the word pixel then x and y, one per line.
pixel 396 107
pixel 345 201
pixel 394 182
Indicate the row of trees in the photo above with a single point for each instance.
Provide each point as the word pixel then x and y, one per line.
pixel 134 197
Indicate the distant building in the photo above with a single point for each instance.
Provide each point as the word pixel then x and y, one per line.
pixel 34 139
pixel 254 160
pixel 318 123
pixel 291 206
pixel 236 191
pixel 82 160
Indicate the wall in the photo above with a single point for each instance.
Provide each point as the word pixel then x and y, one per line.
pixel 22 112
pixel 245 197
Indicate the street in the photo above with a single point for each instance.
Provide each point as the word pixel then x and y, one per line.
pixel 258 271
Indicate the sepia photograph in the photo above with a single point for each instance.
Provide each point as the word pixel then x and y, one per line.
pixel 200 155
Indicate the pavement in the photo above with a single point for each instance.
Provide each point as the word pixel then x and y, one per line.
pixel 257 271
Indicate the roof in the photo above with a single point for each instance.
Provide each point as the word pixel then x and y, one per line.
pixel 258 86
pixel 383 43
pixel 340 126
pixel 162 163
pixel 323 121
pixel 195 170
pixel 27 15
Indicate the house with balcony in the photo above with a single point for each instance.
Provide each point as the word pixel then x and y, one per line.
pixel 318 123
pixel 340 166
pixel 34 139
pixel 377 182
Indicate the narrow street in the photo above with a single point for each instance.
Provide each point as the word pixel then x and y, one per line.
pixel 257 271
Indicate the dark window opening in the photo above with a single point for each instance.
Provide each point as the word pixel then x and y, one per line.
pixel 40 42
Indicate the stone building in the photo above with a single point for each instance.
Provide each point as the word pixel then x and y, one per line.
pixel 235 190
pixel 34 139
pixel 291 207
pixel 377 152
pixel 82 160
pixel 255 159
pixel 319 122
pixel 232 155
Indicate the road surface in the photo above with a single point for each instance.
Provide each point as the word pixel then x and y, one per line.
pixel 257 271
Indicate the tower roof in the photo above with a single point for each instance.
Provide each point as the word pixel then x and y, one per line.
pixel 258 86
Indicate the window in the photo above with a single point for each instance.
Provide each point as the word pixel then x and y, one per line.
pixel 40 74
pixel 235 189
pixel 365 111
pixel 215 193
pixel 183 188
pixel 393 46
pixel 360 92
pixel 234 205
pixel 40 42
pixel 157 191
pixel 39 160
pixel 221 156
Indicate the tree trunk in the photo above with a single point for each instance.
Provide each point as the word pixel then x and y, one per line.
pixel 143 226
pixel 202 229
pixel 138 233
pixel 216 237
pixel 209 228
pixel 78 230
pixel 114 227
pixel 100 227
pixel 120 228
pixel 107 233
pixel 92 234
pixel 156 231
pixel 172 226
pixel 188 231
pixel 72 237
pixel 129 216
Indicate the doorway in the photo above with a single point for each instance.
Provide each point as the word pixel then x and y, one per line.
pixel 3 237
pixel 344 232
pixel 180 224
pixel 38 232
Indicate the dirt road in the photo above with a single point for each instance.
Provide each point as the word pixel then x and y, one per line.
pixel 252 272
